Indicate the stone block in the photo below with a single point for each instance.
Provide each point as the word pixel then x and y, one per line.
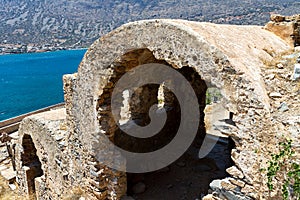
pixel 237 182
pixel 9 174
pixel 235 172
pixel 277 18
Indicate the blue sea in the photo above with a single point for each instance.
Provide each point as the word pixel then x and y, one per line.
pixel 32 81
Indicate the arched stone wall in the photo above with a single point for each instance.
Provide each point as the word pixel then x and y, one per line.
pixel 226 57
pixel 175 44
pixel 214 56
pixel 41 161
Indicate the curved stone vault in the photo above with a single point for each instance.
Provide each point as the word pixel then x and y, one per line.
pixel 72 149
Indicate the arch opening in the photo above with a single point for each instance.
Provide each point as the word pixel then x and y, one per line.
pixel 31 165
pixel 189 176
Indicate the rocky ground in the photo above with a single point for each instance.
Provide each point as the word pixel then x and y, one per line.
pixel 8 187
pixel 186 179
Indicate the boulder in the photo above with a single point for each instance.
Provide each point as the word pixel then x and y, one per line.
pixel 277 18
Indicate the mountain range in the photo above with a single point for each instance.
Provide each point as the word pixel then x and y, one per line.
pixel 77 23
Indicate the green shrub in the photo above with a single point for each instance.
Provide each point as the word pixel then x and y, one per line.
pixel 284 164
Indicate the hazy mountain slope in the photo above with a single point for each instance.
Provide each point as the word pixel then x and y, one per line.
pixel 79 22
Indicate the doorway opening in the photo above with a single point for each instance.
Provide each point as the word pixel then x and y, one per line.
pixel 31 165
pixel 189 176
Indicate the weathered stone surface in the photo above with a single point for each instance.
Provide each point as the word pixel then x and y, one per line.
pixel 239 183
pixel 227 185
pixel 71 146
pixel 226 190
pixel 249 190
pixel 235 172
pixel 219 65
pixel 12 186
pixel 277 18
pixel 296 73
pixel 215 116
pixel 283 107
pixel 275 95
pixel 210 197
pixel 215 185
pixel 38 144
pixel 8 174
pixel 286 27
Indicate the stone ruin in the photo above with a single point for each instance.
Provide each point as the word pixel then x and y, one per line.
pixel 59 151
pixel 286 27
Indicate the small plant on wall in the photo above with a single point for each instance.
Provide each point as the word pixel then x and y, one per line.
pixel 213 95
pixel 283 166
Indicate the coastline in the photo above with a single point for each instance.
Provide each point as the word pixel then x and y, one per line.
pixel 15 49
pixel 31 81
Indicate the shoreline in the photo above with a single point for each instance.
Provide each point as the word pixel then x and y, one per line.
pixel 34 80
pixel 42 51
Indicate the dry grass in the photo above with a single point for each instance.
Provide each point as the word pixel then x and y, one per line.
pixel 6 193
pixel 277 58
pixel 74 194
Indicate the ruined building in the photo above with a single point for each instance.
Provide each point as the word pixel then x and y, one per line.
pixel 286 27
pixel 66 150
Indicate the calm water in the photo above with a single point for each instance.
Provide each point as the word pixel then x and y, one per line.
pixel 32 81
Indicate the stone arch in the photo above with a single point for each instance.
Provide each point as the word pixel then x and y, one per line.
pixel 40 157
pixel 142 100
pixel 215 57
pixel 174 44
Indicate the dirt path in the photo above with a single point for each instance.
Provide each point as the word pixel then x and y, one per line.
pixel 186 179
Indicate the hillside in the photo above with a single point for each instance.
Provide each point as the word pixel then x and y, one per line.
pixel 77 23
